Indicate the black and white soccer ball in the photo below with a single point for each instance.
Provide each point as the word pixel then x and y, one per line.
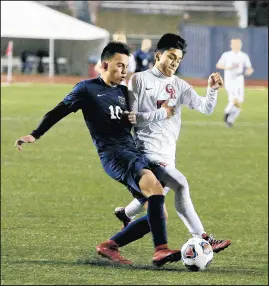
pixel 196 254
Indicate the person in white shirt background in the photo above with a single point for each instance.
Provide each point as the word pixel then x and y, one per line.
pixel 157 96
pixel 236 64
pixel 121 37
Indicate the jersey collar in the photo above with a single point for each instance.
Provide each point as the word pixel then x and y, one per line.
pixel 157 73
pixel 103 82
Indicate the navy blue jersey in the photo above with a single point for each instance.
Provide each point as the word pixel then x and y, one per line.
pixel 102 107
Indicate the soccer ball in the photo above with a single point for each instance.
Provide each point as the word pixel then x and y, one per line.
pixel 196 254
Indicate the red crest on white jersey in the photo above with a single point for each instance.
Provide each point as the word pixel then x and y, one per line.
pixel 170 89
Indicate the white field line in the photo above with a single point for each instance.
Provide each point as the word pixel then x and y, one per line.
pixel 16 84
pixel 197 123
pixel 259 88
pixel 221 123
pixel 21 84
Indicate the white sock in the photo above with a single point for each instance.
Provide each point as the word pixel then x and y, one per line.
pixel 184 207
pixel 187 213
pixel 236 111
pixel 228 108
pixel 133 209
pixel 232 110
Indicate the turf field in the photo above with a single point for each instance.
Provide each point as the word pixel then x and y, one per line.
pixel 57 202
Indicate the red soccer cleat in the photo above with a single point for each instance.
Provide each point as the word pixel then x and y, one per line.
pixel 217 245
pixel 109 249
pixel 163 255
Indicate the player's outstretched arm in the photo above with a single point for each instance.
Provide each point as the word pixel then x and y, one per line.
pixel 52 117
pixel 204 104
pixel 71 103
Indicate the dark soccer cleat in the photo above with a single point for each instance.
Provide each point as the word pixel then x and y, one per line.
pixel 162 256
pixel 121 215
pixel 109 249
pixel 228 124
pixel 217 245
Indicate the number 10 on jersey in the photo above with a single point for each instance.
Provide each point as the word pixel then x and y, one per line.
pixel 115 112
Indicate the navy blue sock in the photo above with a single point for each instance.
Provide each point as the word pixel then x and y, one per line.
pixel 156 219
pixel 133 231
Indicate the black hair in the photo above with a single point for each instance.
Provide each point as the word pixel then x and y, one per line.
pixel 169 41
pixel 114 47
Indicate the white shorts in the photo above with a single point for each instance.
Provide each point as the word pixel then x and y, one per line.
pixel 235 93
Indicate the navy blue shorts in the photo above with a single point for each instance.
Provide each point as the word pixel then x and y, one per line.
pixel 125 166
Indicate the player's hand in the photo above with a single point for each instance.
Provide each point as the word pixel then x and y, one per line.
pixel 131 116
pixel 232 67
pixel 215 80
pixel 169 109
pixel 24 139
pixel 249 72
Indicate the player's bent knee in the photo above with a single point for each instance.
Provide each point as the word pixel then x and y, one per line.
pixel 149 184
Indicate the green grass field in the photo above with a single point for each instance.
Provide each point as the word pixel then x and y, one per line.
pixel 57 202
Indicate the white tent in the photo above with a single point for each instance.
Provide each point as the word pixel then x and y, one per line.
pixel 33 26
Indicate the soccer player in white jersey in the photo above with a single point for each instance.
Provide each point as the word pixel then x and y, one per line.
pixel 236 64
pixel 157 96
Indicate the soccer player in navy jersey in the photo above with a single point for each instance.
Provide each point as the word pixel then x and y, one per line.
pixel 104 104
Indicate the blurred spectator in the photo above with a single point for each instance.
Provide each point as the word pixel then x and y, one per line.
pixel 184 21
pixel 120 37
pixel 41 54
pixel 93 9
pixel 81 10
pixel 84 10
pixel 72 8
pixel 56 66
pixel 26 65
pixel 258 13
pixel 92 63
pixel 143 57
pixel 186 18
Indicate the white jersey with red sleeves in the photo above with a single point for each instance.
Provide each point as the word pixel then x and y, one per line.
pixel 155 134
